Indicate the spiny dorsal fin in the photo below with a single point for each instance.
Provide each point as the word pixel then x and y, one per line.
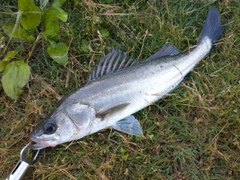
pixel 114 61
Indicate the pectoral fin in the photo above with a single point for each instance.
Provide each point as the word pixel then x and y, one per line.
pixel 111 109
pixel 129 125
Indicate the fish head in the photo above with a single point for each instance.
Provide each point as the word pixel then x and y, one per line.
pixel 65 124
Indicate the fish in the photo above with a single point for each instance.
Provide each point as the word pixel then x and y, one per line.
pixel 119 86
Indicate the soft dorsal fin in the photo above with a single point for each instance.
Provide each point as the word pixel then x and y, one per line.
pixel 114 61
pixel 167 50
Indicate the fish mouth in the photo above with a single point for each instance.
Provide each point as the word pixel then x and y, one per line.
pixel 38 144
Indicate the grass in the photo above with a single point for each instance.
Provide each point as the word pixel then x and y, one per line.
pixel 194 133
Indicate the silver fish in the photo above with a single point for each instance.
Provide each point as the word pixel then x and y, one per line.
pixel 119 86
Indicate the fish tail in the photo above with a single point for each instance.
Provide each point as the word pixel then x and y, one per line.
pixel 212 29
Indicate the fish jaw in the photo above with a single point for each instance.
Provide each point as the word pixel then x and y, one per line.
pixel 41 140
pixel 41 143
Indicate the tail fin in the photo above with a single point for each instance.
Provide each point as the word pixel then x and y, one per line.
pixel 212 27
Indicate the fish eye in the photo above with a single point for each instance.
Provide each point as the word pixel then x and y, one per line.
pixel 49 128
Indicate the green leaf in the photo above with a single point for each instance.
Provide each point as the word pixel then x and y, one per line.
pixel 18 33
pixel 59 53
pixel 125 156
pixel 6 59
pixel 51 31
pixel 3 65
pixel 58 3
pixel 15 76
pixel 52 13
pixel 105 33
pixel 51 27
pixel 124 153
pixel 52 43
pixel 30 14
pixel 9 55
pixel 84 46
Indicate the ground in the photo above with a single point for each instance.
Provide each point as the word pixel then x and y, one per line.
pixel 193 133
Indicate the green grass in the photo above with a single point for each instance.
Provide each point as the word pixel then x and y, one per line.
pixel 194 133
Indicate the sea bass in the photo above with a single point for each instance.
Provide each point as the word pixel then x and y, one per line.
pixel 119 86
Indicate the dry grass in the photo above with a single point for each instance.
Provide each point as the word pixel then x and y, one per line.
pixel 194 133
